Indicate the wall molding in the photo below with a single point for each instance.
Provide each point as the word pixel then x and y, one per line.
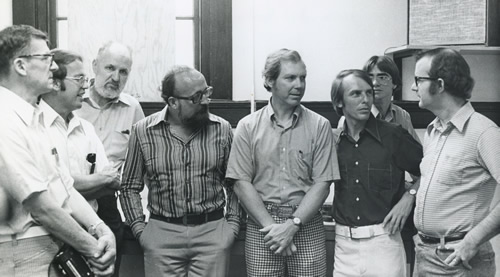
pixel 233 111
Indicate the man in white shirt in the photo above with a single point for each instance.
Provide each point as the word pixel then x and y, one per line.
pixel 43 206
pixel 75 138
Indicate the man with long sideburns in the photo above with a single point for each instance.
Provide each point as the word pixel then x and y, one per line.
pixel 460 172
pixel 180 154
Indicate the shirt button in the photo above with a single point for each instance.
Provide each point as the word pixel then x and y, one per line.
pixel 283 169
pixel 357 199
pixel 284 149
pixel 356 145
pixel 356 163
pixel 357 181
pixel 359 218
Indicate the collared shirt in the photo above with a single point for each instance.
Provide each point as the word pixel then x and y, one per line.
pixel 28 163
pixel 112 123
pixel 283 162
pixel 372 172
pixel 74 141
pixel 183 177
pixel 460 171
pixel 396 115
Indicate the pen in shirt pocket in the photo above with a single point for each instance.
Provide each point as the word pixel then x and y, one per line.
pixel 301 155
pixel 56 155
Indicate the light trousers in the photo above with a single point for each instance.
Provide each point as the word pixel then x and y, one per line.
pixel 178 250
pixel 380 256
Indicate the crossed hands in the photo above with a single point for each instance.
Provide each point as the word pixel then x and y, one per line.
pixel 103 260
pixel 279 238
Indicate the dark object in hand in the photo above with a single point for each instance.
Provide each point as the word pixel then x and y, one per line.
pixel 68 262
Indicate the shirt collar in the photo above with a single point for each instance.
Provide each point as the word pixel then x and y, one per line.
pixel 23 109
pixel 269 111
pixel 121 99
pixel 371 127
pixel 458 120
pixel 388 117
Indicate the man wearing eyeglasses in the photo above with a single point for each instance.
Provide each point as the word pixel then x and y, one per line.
pixel 112 112
pixel 75 137
pixel 181 154
pixel 460 172
pixel 42 208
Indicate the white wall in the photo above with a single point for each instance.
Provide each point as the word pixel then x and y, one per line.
pixel 330 35
pixel 5 13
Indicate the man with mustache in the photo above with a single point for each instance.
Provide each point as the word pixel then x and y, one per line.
pixel 112 113
pixel 181 154
pixel 75 137
pixel 282 163
pixel 373 157
pixel 43 207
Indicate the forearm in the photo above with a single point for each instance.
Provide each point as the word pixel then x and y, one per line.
pixel 59 223
pixel 130 200
pixel 233 207
pixel 252 202
pixel 313 201
pixel 486 229
pixel 90 184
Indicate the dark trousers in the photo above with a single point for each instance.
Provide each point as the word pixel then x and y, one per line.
pixel 108 212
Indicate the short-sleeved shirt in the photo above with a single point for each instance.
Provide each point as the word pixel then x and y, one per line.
pixel 460 172
pixel 112 123
pixel 28 162
pixel 372 171
pixel 283 162
pixel 74 141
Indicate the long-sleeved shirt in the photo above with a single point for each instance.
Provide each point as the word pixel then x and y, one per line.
pixel 372 172
pixel 460 171
pixel 183 177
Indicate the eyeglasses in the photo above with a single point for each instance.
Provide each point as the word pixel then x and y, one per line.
pixel 198 96
pixel 80 80
pixel 48 56
pixel 382 79
pixel 418 79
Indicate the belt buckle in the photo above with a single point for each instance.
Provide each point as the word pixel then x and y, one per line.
pixel 286 211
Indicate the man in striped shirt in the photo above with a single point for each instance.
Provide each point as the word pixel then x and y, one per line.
pixel 460 171
pixel 181 154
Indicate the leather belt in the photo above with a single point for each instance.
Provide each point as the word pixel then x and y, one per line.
pixel 435 240
pixel 191 219
pixel 33 231
pixel 362 232
pixel 280 210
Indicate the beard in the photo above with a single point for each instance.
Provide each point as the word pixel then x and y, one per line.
pixel 108 93
pixel 198 119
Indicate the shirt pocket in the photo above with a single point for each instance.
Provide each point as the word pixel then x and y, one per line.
pixel 449 171
pixel 380 177
pixel 119 144
pixel 301 163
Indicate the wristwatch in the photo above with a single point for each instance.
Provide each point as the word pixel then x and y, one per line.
pixel 412 192
pixel 296 221
pixel 93 228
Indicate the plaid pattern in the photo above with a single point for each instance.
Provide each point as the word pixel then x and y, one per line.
pixel 309 260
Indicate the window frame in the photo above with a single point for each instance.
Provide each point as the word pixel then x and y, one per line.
pixel 212 27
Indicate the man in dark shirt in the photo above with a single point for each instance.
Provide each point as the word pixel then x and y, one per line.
pixel 371 203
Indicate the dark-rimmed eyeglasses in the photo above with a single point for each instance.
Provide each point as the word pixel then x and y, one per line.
pixel 48 56
pixel 419 79
pixel 382 79
pixel 198 96
pixel 82 81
